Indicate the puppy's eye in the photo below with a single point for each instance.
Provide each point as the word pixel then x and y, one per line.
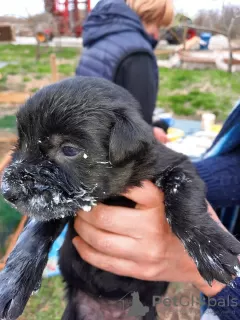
pixel 70 151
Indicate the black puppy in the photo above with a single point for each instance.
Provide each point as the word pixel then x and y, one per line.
pixel 83 141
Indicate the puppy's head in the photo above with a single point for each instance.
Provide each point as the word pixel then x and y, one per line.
pixel 80 141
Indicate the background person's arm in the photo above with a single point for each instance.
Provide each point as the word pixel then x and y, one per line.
pixel 136 74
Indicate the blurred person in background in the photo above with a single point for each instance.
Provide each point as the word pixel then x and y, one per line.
pixel 119 38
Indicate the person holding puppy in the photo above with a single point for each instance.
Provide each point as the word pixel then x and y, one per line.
pixel 157 253
pixel 119 38
pixel 149 252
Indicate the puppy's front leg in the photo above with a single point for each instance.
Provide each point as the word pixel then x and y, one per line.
pixel 214 250
pixel 24 268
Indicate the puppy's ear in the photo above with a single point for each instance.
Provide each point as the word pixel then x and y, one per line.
pixel 129 139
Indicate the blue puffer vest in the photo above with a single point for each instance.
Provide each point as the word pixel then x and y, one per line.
pixel 111 33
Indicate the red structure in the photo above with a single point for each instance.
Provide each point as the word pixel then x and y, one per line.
pixel 69 15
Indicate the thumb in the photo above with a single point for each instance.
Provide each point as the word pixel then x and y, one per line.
pixel 148 195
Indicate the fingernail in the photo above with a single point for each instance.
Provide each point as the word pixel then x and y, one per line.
pixel 74 241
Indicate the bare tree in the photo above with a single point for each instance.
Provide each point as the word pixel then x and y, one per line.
pixel 225 22
pixel 220 20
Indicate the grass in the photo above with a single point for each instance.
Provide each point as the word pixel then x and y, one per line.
pixel 66 69
pixel 185 92
pixel 8 122
pixel 188 92
pixel 3 82
pixel 26 79
pixel 9 219
pixel 48 302
pixel 22 59
pixel 33 90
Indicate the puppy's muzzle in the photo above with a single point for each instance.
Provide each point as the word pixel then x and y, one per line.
pixel 44 191
pixel 9 193
pixel 20 181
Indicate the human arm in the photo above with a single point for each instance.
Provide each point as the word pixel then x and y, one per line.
pixel 222 177
pixel 139 243
pixel 110 240
pixel 136 73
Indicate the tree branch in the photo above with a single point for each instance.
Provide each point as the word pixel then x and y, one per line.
pixel 196 27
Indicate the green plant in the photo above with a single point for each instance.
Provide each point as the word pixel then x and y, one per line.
pixel 48 303
pixel 8 122
pixel 34 90
pixel 9 220
pixel 26 79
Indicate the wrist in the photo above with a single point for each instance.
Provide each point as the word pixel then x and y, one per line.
pixel 206 289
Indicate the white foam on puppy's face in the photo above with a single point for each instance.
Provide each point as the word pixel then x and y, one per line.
pixel 87 208
pixel 42 195
pixel 58 205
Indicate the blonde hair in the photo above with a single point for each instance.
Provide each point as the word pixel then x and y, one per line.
pixel 153 11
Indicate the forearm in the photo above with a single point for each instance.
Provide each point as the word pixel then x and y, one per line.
pixel 222 178
pixel 137 75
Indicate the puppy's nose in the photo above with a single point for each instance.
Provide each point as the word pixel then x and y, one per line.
pixel 10 194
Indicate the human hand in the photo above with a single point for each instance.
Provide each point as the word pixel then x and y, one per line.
pixel 137 242
pixel 160 135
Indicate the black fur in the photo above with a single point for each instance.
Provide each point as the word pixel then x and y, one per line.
pixel 115 150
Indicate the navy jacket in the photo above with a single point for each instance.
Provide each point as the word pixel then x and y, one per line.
pixel 117 48
pixel 111 33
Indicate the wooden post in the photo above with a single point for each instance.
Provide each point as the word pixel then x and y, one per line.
pixel 185 32
pixel 6 160
pixel 38 51
pixel 53 64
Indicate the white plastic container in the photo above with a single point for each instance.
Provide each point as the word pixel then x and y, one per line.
pixel 208 120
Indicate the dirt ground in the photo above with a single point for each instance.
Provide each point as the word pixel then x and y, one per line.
pixel 15 83
pixel 6 109
pixel 181 302
pixel 7 138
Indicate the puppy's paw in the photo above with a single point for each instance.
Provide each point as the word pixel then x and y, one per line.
pixel 15 291
pixel 216 255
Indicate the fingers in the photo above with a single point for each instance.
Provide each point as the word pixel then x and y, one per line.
pixel 129 222
pixel 160 135
pixel 121 267
pixel 126 221
pixel 109 243
pixel 97 259
pixel 147 196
